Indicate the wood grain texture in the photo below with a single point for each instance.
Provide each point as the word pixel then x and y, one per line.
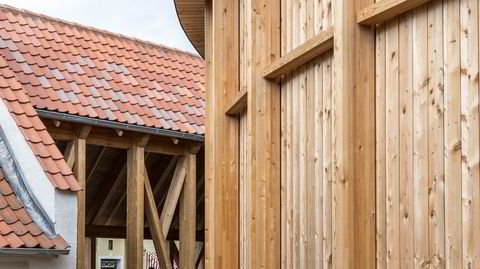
pixel 406 122
pixel 436 172
pixel 79 170
pixel 469 114
pixel 188 215
pixel 135 207
pixel 305 52
pixel 173 195
pixel 380 146
pixel 384 10
pixel 154 224
pixel 452 157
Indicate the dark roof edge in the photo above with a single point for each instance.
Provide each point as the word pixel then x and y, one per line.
pixel 185 32
pixel 118 125
pixel 33 252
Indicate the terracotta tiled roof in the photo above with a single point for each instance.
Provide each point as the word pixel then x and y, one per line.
pixel 35 132
pixel 17 230
pixel 87 72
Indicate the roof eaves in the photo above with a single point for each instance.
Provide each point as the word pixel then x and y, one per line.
pixel 118 125
pixel 33 252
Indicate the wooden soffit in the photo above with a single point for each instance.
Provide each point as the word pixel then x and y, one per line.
pixel 191 14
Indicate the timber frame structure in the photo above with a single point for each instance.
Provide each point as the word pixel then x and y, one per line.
pixel 344 135
pixel 99 220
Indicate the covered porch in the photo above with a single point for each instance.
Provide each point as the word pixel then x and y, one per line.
pixel 137 184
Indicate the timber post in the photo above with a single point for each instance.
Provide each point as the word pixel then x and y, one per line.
pixel 79 170
pixel 135 206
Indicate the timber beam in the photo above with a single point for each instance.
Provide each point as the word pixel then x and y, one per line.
pixel 155 225
pixel 173 194
pixel 301 55
pixel 108 138
pixel 238 104
pixel 387 9
pixel 120 232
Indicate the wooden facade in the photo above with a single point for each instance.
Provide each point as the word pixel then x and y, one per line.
pixel 342 133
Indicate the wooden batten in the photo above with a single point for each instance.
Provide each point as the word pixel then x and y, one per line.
pixel 135 207
pixel 238 104
pixel 382 11
pixel 301 55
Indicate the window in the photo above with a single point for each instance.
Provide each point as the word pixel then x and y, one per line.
pixel 110 244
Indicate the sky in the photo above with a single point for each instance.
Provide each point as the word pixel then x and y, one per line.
pixel 151 20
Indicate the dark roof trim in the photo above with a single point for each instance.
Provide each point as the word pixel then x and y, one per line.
pixel 118 125
pixel 33 252
pixel 199 51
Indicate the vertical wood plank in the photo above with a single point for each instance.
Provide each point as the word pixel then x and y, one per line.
pixel 318 90
pixel 296 139
pixel 406 140
pixel 420 107
pixel 311 210
pixel 453 186
pixel 302 89
pixel 284 145
pixel 79 170
pixel 327 161
pixel 327 130
pixel 210 161
pixel 380 140
pixel 135 206
pixel 392 162
pixel 470 132
pixel 187 215
pixel 436 175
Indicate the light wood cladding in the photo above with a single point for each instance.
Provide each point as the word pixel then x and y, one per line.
pixel 428 195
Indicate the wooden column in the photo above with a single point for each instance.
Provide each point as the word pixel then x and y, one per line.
pixel 135 207
pixel 188 204
pixel 354 139
pixel 79 170
pixel 364 147
pixel 221 150
pixel 263 142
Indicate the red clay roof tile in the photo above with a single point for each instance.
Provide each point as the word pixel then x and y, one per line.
pixel 16 226
pixel 86 57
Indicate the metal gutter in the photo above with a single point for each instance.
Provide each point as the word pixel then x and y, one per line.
pixel 33 251
pixel 118 125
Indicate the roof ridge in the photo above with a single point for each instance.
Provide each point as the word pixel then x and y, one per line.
pixel 91 28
